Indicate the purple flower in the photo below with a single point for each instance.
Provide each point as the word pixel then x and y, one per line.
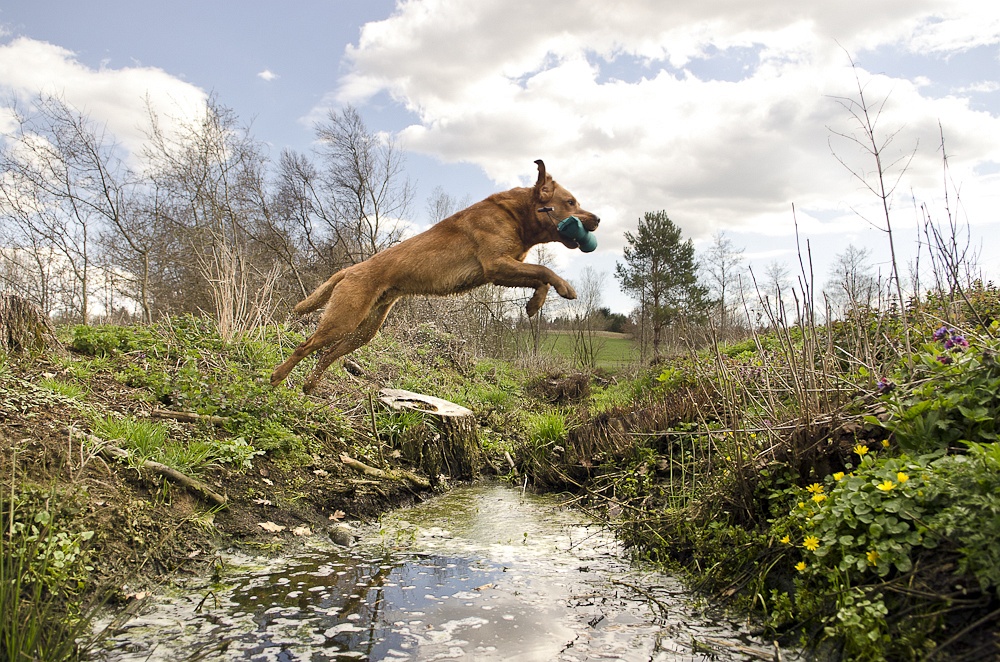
pixel 884 386
pixel 944 359
pixel 941 333
pixel 956 342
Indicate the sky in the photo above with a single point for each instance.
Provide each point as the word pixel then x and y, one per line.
pixel 730 116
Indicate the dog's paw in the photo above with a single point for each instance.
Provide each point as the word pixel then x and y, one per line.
pixel 566 292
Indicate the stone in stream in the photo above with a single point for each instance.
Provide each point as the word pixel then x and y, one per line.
pixel 343 535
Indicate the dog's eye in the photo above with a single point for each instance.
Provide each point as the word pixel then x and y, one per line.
pixel 571 202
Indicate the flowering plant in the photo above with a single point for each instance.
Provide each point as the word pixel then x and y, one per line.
pixel 951 398
pixel 869 520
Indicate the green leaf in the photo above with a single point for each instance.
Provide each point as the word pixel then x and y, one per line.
pixel 903 564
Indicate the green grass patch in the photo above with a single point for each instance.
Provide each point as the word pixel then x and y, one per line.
pixel 65 389
pixel 150 440
pixel 610 350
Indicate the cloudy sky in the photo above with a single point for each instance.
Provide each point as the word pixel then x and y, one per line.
pixel 724 113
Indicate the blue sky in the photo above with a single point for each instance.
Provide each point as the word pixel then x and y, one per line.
pixel 720 112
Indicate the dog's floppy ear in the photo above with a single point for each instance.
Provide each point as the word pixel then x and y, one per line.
pixel 544 187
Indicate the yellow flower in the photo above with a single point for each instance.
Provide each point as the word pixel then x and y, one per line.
pixel 802 504
pixel 885 443
pixel 811 543
pixel 886 486
pixel 861 449
pixel 815 488
pixel 818 498
pixel 839 475
pixel 901 477
pixel 872 557
pixel 786 540
pixel 800 566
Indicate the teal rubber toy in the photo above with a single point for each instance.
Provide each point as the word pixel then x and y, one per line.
pixel 571 228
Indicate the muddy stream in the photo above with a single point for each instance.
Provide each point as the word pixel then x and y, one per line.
pixel 480 573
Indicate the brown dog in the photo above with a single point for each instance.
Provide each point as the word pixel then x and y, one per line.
pixel 485 243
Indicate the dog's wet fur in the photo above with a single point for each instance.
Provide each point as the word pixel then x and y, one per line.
pixel 484 243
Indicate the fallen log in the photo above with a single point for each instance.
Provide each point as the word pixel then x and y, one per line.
pixel 390 474
pixel 189 417
pixel 448 443
pixel 112 452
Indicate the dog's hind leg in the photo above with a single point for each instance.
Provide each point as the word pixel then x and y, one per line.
pixel 365 332
pixel 349 306
pixel 536 300
pixel 320 295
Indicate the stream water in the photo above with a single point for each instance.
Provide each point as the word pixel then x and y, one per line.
pixel 480 573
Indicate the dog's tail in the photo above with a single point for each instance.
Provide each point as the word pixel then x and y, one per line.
pixel 320 295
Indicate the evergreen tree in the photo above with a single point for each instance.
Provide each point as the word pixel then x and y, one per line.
pixel 661 272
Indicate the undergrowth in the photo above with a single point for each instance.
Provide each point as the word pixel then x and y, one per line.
pixel 852 505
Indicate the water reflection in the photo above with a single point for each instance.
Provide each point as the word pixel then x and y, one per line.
pixel 482 573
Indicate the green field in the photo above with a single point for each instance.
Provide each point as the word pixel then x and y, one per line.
pixel 612 350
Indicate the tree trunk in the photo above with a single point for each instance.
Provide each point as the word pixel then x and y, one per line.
pixel 23 326
pixel 446 443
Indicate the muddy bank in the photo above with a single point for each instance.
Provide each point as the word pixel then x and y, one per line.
pixel 147 528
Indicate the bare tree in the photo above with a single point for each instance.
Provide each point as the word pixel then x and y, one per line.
pixel 64 182
pixel 723 266
pixel 889 169
pixel 776 285
pixel 584 311
pixel 208 182
pixel 544 256
pixel 441 205
pixel 852 282
pixel 363 174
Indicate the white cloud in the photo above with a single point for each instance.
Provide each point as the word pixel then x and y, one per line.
pixel 267 75
pixel 115 97
pixel 631 107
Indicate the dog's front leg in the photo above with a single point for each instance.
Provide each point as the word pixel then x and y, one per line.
pixel 511 273
pixel 536 300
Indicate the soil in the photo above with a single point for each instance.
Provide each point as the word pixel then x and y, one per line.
pixel 146 529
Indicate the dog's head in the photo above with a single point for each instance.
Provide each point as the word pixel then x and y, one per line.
pixel 555 203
